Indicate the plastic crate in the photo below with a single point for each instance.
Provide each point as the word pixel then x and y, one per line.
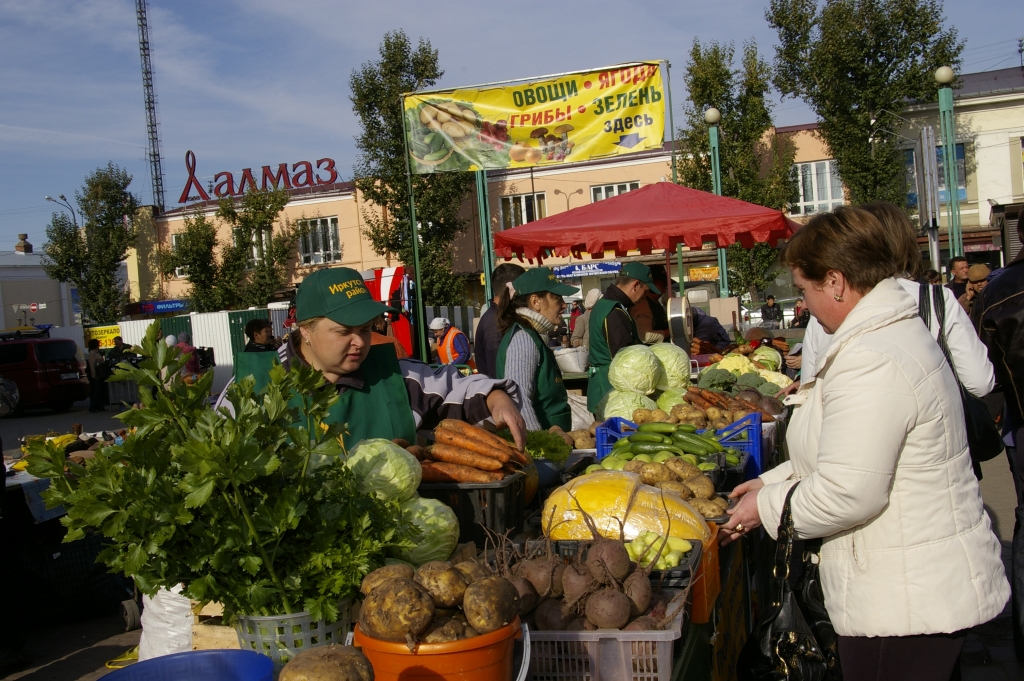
pixel 745 435
pixel 678 577
pixel 282 637
pixel 497 506
pixel 707 583
pixel 609 432
pixel 734 475
pixel 605 655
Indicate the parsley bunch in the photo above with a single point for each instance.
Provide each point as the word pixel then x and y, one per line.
pixel 255 510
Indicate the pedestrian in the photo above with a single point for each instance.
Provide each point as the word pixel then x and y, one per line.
pixel 879 467
pixel 977 279
pixel 771 314
pixel 97 373
pixel 452 344
pixel 485 349
pixel 581 334
pixel 119 352
pixel 611 327
pixel 1002 328
pixel 526 315
pixel 707 328
pixel 185 345
pixel 801 315
pixel 559 334
pixel 958 276
pixel 289 320
pixel 379 336
pixel 260 333
pixel 649 314
pixel 930 277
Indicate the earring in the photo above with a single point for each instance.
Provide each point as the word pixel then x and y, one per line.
pixel 307 342
pixel 838 298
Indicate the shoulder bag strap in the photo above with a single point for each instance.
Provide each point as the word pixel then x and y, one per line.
pixel 940 314
pixel 924 306
pixel 783 550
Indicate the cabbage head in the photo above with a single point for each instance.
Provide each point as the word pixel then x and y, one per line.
pixel 439 528
pixel 636 369
pixel 384 468
pixel 736 364
pixel 671 398
pixel 781 380
pixel 676 363
pixel 623 402
pixel 768 356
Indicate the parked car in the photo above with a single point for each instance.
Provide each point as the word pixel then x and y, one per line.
pixel 47 371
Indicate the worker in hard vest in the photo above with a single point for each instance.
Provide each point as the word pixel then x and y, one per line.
pixel 526 315
pixel 452 344
pixel 611 327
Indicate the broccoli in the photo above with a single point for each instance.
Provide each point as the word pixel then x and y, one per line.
pixel 716 379
pixel 769 389
pixel 750 380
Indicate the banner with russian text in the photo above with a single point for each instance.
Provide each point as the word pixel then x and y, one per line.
pixel 565 119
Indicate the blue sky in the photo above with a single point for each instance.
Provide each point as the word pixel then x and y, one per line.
pixel 247 84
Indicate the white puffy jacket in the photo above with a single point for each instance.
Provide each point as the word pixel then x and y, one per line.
pixel 880 448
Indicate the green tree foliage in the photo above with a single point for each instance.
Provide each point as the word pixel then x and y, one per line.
pixel 751 270
pixel 381 169
pixel 88 256
pixel 195 254
pixel 857 63
pixel 754 166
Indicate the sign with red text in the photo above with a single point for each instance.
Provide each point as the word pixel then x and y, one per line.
pixel 282 176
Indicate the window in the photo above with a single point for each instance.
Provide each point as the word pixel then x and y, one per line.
pixel 818 188
pixel 607 191
pixel 13 354
pixel 60 351
pixel 319 242
pixel 910 173
pixel 180 272
pixel 236 236
pixel 522 208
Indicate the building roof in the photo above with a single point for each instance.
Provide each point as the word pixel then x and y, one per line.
pixel 999 81
pixel 786 129
pixel 15 259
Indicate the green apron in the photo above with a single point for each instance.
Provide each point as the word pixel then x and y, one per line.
pixel 550 401
pixel 600 354
pixel 379 409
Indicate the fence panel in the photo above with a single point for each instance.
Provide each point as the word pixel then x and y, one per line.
pixel 461 317
pixel 211 330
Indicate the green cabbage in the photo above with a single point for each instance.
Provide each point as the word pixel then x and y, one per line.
pixel 671 398
pixel 439 528
pixel 386 469
pixel 636 369
pixel 623 402
pixel 676 363
pixel 768 356
pixel 736 364
pixel 781 380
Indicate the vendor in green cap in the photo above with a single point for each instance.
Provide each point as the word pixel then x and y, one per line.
pixel 380 395
pixel 611 327
pixel 528 309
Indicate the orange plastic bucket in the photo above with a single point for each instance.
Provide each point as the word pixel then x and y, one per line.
pixel 707 583
pixel 483 658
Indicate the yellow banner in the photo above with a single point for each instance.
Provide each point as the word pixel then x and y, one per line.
pixel 104 334
pixel 581 116
pixel 708 273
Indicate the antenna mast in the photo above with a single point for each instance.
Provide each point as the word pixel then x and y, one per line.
pixel 155 169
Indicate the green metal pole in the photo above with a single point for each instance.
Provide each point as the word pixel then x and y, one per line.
pixel 948 125
pixel 679 266
pixel 671 120
pixel 723 272
pixel 716 187
pixel 487 257
pixel 421 324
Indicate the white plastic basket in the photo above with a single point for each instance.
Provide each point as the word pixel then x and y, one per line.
pixel 283 637
pixel 605 654
pixel 572 360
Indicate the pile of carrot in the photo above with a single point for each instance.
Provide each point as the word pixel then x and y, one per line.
pixel 465 453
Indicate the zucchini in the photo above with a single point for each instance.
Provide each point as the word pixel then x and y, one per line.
pixel 667 428
pixel 648 437
pixel 654 448
pixel 712 443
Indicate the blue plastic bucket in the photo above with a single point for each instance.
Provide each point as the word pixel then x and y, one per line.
pixel 205 665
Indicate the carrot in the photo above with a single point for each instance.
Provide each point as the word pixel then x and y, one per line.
pixel 450 472
pixel 446 436
pixel 483 436
pixel 714 398
pixel 404 444
pixel 697 401
pixel 416 451
pixel 464 457
pixel 765 416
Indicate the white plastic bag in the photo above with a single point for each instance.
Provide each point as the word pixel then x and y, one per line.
pixel 166 624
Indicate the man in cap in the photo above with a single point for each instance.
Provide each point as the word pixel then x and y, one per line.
pixel 649 314
pixel 977 278
pixel 611 327
pixel 452 344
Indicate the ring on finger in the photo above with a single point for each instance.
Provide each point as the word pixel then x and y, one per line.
pixel 739 527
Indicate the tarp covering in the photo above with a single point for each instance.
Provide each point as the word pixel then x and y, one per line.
pixel 657 216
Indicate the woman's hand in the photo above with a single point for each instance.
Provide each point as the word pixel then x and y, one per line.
pixel 504 413
pixel 791 388
pixel 794 361
pixel 745 516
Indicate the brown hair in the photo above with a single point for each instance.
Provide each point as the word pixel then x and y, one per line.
pixel 848 240
pixel 901 235
pixel 508 305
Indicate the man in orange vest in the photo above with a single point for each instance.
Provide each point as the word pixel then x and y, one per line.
pixel 452 344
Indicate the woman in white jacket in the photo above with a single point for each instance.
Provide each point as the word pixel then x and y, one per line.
pixel 878 445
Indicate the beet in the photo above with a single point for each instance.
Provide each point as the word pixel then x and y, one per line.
pixel 608 561
pixel 576 582
pixel 545 574
pixel 551 615
pixel 528 597
pixel 608 609
pixel 581 624
pixel 642 623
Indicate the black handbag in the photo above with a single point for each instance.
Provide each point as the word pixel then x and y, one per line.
pixel 983 437
pixel 794 640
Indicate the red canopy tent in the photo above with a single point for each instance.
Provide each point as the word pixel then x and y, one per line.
pixel 658 216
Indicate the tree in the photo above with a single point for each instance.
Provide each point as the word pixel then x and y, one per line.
pixel 194 253
pixel 751 270
pixel 89 257
pixel 755 166
pixel 857 63
pixel 380 171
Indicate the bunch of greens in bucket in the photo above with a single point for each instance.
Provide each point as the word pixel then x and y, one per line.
pixel 256 510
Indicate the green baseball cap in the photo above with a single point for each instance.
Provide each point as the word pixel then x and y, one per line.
pixel 541 279
pixel 641 272
pixel 339 294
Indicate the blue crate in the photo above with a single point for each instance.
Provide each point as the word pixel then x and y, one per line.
pixel 745 435
pixel 611 430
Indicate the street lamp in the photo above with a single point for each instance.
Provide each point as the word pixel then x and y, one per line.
pixel 712 116
pixel 944 77
pixel 561 193
pixel 64 203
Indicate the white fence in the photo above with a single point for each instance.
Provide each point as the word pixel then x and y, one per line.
pixel 461 317
pixel 211 330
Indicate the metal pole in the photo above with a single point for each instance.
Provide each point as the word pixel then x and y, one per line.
pixel 487 257
pixel 421 326
pixel 723 272
pixel 671 120
pixel 716 187
pixel 948 126
pixel 679 267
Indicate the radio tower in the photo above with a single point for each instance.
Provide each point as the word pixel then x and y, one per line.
pixel 155 170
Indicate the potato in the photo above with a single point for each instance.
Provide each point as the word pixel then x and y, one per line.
pixel 721 502
pixel 383 574
pixel 653 473
pixel 702 486
pixel 396 609
pixel 678 488
pixel 443 630
pixel 444 582
pixel 452 128
pixel 427 114
pixel 490 604
pixel 633 466
pixel 473 571
pixel 641 416
pixel 658 415
pixel 593 428
pixel 714 413
pixel 706 508
pixel 682 468
pixel 328 663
